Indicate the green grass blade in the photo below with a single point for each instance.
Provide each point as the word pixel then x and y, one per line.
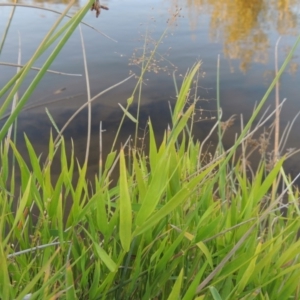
pixel 249 271
pixel 175 294
pixel 152 147
pixel 180 125
pixel 52 120
pixel 34 160
pixel 269 179
pixel 154 192
pixel 190 293
pixel 125 206
pixel 5 291
pixel 70 291
pixel 183 93
pixel 110 264
pixel 30 286
pixel 175 201
pixel 215 294
pixel 128 114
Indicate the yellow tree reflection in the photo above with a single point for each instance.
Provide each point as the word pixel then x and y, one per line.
pixel 244 25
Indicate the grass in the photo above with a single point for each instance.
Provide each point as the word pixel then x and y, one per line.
pixel 172 227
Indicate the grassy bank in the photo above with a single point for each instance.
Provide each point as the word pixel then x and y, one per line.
pixel 178 223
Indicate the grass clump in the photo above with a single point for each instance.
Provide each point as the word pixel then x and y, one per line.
pixel 171 227
pixel 163 231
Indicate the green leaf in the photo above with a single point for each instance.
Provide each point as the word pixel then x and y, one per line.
pixel 101 212
pixel 206 252
pixel 93 290
pixel 52 120
pixel 51 147
pixel 202 247
pixel 141 182
pixel 190 293
pixel 184 90
pixel 175 294
pixel 154 191
pixel 288 255
pixel 5 280
pixel 175 201
pixel 180 125
pixel 167 254
pixel 4 166
pixel 129 115
pixel 249 271
pixel 215 293
pixel 70 290
pixel 110 264
pixel 25 173
pixel 267 183
pixel 110 159
pixel 33 281
pixel 125 206
pixel 152 147
pixel 34 161
pixel 23 204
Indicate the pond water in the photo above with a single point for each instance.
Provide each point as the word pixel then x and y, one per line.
pixel 244 33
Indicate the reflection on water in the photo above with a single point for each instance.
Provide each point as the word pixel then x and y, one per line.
pixel 43 2
pixel 247 29
pixel 244 26
pixel 48 3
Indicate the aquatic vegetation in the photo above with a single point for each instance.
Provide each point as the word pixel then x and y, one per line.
pixel 173 225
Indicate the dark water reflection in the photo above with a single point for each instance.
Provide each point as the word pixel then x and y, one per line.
pixel 243 32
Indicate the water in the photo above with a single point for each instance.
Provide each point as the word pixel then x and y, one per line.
pixel 244 33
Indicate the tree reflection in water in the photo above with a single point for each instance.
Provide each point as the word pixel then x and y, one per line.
pixel 244 26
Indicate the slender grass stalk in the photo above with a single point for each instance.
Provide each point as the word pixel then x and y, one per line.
pixel 100 151
pixel 140 92
pixel 277 121
pixel 207 139
pixel 261 123
pixel 287 183
pixel 287 132
pixel 140 80
pixel 88 89
pixel 7 28
pixel 38 69
pixel 16 98
pixel 219 106
pixel 87 103
pixel 36 105
pixel 32 249
pixel 277 101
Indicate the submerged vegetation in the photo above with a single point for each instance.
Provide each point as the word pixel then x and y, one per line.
pixel 178 224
